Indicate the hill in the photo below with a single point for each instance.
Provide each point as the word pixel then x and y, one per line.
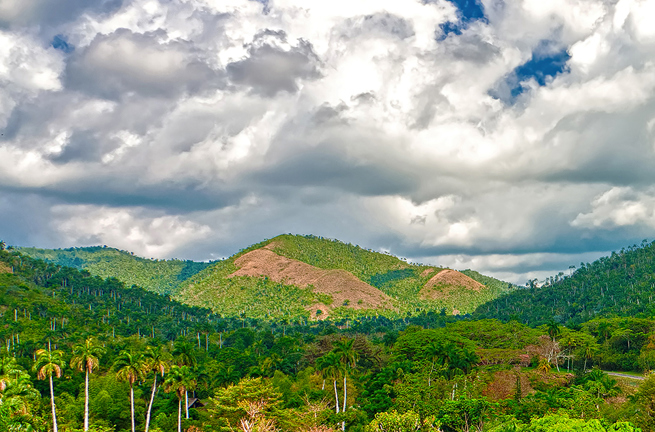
pixel 40 300
pixel 619 285
pixel 160 276
pixel 309 276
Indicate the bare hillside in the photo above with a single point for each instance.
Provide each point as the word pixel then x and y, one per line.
pixel 447 281
pixel 344 288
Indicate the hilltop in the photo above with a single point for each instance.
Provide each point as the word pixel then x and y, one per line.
pixel 160 276
pixel 619 285
pixel 292 275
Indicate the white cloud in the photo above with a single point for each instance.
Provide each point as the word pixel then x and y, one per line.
pixel 235 121
pixel 130 229
pixel 619 207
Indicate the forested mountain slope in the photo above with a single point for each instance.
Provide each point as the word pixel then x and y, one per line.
pixel 293 277
pixel 622 284
pixel 41 301
pixel 320 376
pixel 160 276
pixel 307 276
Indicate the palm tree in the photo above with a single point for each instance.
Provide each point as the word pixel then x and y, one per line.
pixel 552 328
pixel 85 359
pixel 49 363
pixel 331 368
pixel 178 380
pixel 589 351
pixel 129 367
pixel 184 356
pixel 348 357
pixel 156 360
pixel 569 342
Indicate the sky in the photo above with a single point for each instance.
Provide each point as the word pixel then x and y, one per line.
pixel 516 138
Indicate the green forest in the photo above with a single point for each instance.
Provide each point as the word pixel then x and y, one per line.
pixel 400 280
pixel 80 352
pixel 160 276
pixel 208 284
pixel 622 284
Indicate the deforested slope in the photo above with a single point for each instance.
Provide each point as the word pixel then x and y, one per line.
pixel 446 282
pixel 292 275
pixel 341 285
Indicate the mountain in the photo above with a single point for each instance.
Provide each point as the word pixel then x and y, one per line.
pixel 293 276
pixel 40 300
pixel 160 276
pixel 619 285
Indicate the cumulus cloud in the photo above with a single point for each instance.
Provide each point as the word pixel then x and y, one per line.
pixel 273 65
pixel 133 229
pixel 514 137
pixel 124 62
pixel 619 207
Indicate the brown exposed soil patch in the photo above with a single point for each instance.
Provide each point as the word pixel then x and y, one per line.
pixel 4 268
pixel 503 385
pixel 426 272
pixel 445 282
pixel 343 286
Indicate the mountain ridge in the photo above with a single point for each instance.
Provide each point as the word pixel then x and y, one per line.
pixel 619 285
pixel 219 285
pixel 159 276
pixel 292 276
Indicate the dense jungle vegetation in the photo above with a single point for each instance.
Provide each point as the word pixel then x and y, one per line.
pixel 159 276
pixel 622 284
pixel 79 352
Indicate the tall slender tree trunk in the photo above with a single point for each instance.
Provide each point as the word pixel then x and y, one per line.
pixel 186 403
pixel 336 395
pixel 152 399
pixel 86 401
pixel 345 399
pixel 345 393
pixel 132 405
pixel 52 402
pixel 179 416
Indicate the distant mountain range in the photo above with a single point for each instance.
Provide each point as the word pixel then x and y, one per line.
pixel 292 276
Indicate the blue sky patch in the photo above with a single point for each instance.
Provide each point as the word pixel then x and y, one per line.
pixel 542 66
pixel 467 11
pixel 59 42
pixel 545 64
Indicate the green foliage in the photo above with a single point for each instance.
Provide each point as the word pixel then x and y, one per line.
pixel 406 422
pixel 381 279
pixel 160 276
pixel 400 280
pixel 491 333
pixel 562 423
pixel 622 284
pixel 466 414
pixel 251 400
pixel 398 375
